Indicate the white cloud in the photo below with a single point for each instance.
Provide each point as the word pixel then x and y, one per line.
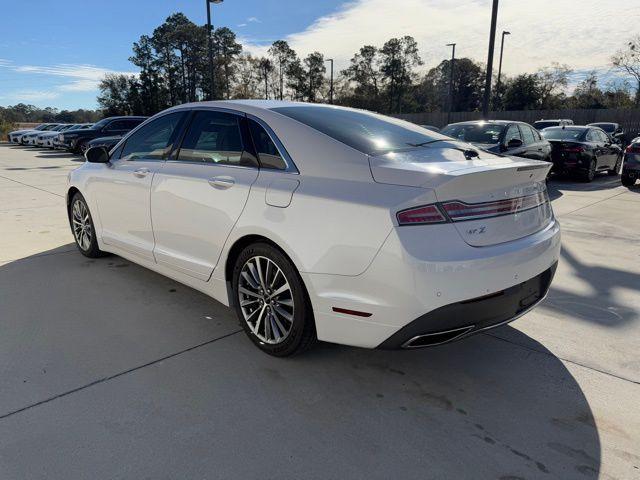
pixel 254 20
pixel 83 78
pixel 33 95
pixel 581 33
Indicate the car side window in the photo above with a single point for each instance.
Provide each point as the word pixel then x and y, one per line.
pixel 592 136
pixel 527 135
pixel 604 137
pixel 512 133
pixel 155 140
pixel 115 126
pixel 268 153
pixel 215 137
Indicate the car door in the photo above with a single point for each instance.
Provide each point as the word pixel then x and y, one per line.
pixel 513 133
pixel 122 190
pixel 531 147
pixel 610 147
pixel 201 191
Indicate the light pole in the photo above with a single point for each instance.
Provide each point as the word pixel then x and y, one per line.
pixel 331 82
pixel 492 44
pixel 500 64
pixel 453 59
pixel 212 92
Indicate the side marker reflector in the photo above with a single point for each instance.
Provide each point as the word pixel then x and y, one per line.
pixel 351 312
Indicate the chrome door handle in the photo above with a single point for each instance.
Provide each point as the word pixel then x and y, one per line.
pixel 222 182
pixel 141 172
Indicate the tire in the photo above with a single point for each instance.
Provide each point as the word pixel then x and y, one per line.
pixel 82 227
pixel 627 181
pixel 280 325
pixel 590 174
pixel 616 167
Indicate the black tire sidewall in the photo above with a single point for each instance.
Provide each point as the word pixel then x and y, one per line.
pixel 93 251
pixel 303 322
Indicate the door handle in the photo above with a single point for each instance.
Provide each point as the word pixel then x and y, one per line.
pixel 222 182
pixel 141 172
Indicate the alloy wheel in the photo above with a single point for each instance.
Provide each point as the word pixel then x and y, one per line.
pixel 266 300
pixel 81 222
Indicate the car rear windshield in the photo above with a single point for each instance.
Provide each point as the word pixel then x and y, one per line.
pixel 367 132
pixel 486 133
pixel 563 133
pixel 607 127
pixel 541 125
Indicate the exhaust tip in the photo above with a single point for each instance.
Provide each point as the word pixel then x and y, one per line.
pixel 437 338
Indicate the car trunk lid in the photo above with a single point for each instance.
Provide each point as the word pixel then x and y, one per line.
pixel 490 199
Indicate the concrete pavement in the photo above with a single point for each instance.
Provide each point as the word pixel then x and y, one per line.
pixel 108 370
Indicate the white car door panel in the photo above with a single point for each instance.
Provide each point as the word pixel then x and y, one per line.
pixel 122 195
pixel 123 192
pixel 193 209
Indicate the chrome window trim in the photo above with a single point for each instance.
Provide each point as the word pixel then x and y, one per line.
pixel 291 166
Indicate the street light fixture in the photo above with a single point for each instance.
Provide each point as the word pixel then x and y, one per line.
pixel 453 59
pixel 212 92
pixel 492 44
pixel 504 33
pixel 331 84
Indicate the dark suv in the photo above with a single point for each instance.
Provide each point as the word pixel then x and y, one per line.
pixel 76 141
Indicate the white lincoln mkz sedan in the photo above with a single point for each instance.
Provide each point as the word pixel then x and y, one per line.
pixel 322 222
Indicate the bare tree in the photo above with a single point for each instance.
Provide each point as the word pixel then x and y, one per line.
pixel 628 60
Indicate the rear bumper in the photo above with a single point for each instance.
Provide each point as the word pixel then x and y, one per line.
pixel 419 271
pixel 459 320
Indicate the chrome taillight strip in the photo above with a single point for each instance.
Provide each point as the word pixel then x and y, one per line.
pixel 458 211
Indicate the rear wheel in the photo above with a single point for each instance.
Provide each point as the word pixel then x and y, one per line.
pixel 590 174
pixel 271 301
pixel 627 181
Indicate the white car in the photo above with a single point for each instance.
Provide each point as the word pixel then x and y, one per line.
pixel 16 135
pixel 321 222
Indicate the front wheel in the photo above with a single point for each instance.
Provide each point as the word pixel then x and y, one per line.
pixel 82 227
pixel 627 181
pixel 271 301
pixel 616 167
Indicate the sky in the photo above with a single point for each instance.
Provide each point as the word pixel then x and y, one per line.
pixel 55 53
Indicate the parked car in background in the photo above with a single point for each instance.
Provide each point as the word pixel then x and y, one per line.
pixel 30 138
pixel 299 215
pixel 502 136
pixel 614 130
pixel 14 136
pixel 44 139
pixel 80 126
pixel 76 141
pixel 431 127
pixel 631 165
pixel 583 150
pixel 106 142
pixel 542 124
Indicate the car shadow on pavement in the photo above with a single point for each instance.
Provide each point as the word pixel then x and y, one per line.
pixel 601 306
pixel 105 353
pixel 572 184
pixel 50 154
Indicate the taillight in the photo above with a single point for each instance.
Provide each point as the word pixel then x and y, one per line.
pixel 458 211
pixel 573 149
pixel 421 215
pixel 632 149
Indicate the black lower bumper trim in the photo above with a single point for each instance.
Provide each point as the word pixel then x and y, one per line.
pixel 473 315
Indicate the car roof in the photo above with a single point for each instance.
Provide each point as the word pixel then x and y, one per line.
pixel 601 123
pixel 475 122
pixel 126 117
pixel 570 127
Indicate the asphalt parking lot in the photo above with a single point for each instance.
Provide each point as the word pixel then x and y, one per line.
pixel 108 370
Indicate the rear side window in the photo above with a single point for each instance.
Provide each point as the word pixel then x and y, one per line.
pixel 215 137
pixel 367 132
pixel 512 133
pixel 527 134
pixel 154 140
pixel 268 153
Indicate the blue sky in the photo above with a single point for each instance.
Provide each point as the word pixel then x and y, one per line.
pixel 53 53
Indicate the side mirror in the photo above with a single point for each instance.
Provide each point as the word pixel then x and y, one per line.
pixel 97 155
pixel 514 143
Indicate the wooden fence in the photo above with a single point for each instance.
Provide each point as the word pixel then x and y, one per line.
pixel 628 118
